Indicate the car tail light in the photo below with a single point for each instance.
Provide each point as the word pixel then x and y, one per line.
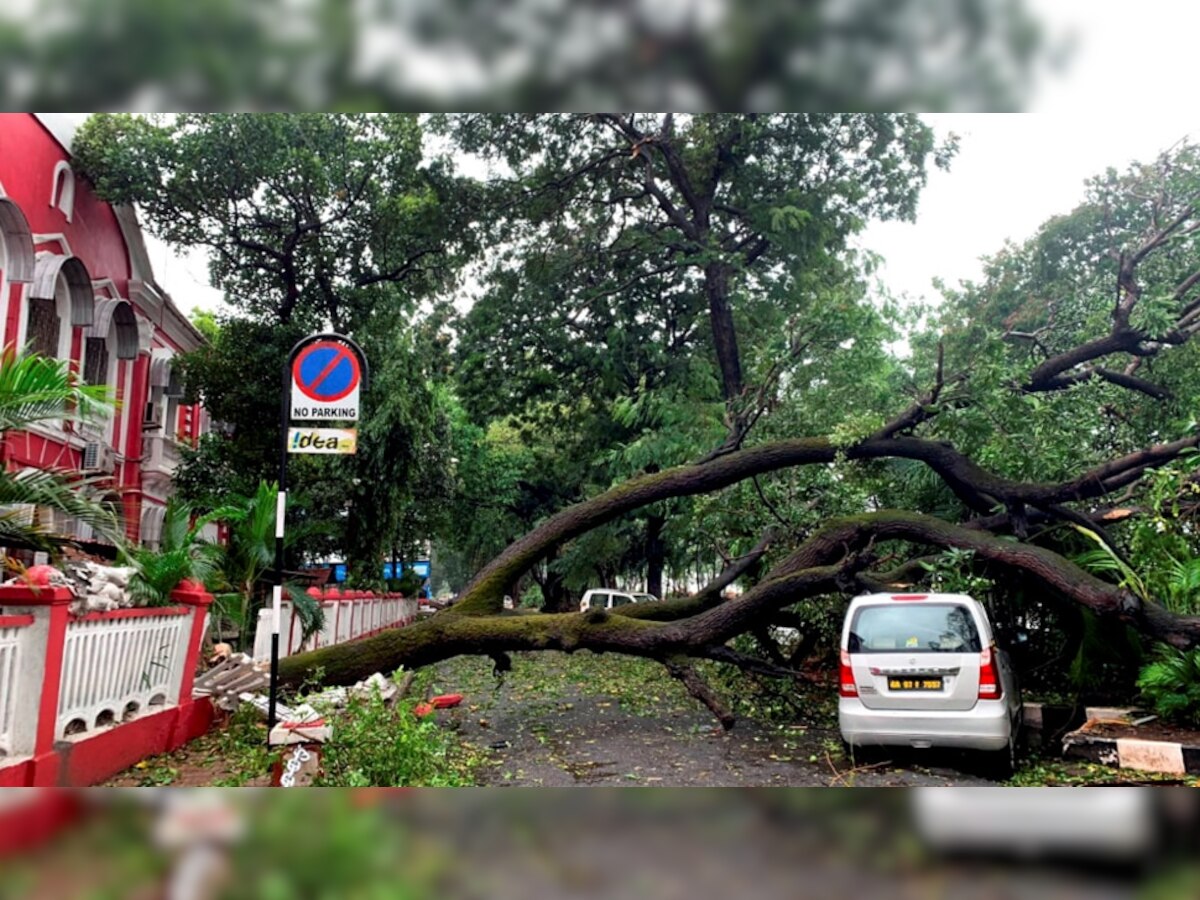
pixel 989 675
pixel 846 684
pixel 909 596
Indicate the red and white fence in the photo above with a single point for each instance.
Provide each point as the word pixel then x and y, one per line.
pixel 119 664
pixel 349 615
pixel 83 697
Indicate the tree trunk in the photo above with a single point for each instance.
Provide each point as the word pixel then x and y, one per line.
pixel 555 595
pixel 827 563
pixel 656 552
pixel 716 291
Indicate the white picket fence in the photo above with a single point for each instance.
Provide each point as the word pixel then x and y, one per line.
pixel 119 664
pixel 345 620
pixel 10 658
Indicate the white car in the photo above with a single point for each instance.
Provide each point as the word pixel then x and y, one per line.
pixel 923 670
pixel 606 598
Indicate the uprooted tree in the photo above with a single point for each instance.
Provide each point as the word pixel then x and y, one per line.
pixel 1070 369
pixel 1044 411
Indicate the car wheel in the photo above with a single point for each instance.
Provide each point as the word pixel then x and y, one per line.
pixel 1002 764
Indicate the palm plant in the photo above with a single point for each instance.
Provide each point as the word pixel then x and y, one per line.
pixel 37 389
pixel 183 555
pixel 1172 683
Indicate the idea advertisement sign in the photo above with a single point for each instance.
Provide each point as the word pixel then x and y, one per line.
pixel 322 440
pixel 326 377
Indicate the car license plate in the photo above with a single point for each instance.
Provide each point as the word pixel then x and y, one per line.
pixel 915 683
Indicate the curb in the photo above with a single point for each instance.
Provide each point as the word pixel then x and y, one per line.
pixel 1046 724
pixel 1168 757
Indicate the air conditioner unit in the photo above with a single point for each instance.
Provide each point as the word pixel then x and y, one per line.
pixel 152 417
pixel 99 457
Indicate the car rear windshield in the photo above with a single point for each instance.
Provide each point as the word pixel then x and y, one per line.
pixel 908 627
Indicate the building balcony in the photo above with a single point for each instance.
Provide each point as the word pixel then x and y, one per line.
pixel 160 455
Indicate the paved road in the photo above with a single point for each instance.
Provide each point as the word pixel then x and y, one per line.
pixel 552 723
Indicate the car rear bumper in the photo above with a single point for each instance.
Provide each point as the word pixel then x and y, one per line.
pixel 986 726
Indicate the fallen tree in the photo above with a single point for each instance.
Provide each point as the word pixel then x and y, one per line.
pixel 835 559
pixel 1013 525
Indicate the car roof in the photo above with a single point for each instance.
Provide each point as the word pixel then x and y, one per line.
pixel 926 596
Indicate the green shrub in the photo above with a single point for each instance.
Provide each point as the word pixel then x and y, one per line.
pixel 1172 683
pixel 375 744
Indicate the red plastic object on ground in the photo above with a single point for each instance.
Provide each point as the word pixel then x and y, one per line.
pixel 39 576
pixel 445 701
pixel 422 709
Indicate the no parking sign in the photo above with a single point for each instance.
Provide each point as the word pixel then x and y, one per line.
pixel 326 376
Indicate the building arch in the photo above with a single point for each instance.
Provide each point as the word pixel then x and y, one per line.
pixel 47 271
pixel 16 240
pixel 116 314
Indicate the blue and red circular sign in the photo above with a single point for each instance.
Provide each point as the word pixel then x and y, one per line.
pixel 326 371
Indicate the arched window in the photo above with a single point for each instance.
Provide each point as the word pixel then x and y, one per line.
pixel 62 189
pixel 166 388
pixel 152 525
pixel 112 336
pixel 95 360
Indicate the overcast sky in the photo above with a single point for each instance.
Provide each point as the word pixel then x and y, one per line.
pixel 1126 95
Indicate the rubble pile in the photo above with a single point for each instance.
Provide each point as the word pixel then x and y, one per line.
pixel 96 588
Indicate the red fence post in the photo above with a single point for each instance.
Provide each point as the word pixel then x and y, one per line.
pixel 194 717
pixel 193 595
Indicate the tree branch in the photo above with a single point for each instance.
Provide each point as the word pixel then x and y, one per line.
pixel 682 669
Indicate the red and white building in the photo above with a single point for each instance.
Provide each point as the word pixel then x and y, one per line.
pixel 76 283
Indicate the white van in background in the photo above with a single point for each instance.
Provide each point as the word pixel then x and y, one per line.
pixel 606 598
pixel 923 670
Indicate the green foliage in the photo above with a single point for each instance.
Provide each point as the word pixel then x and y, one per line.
pixel 183 554
pixel 398 483
pixel 316 219
pixel 1105 559
pixel 206 323
pixel 954 572
pixel 35 388
pixel 377 744
pixel 1171 682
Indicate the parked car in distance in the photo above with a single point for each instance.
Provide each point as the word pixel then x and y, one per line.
pixel 606 598
pixel 923 670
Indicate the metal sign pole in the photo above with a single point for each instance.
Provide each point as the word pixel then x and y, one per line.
pixel 280 509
